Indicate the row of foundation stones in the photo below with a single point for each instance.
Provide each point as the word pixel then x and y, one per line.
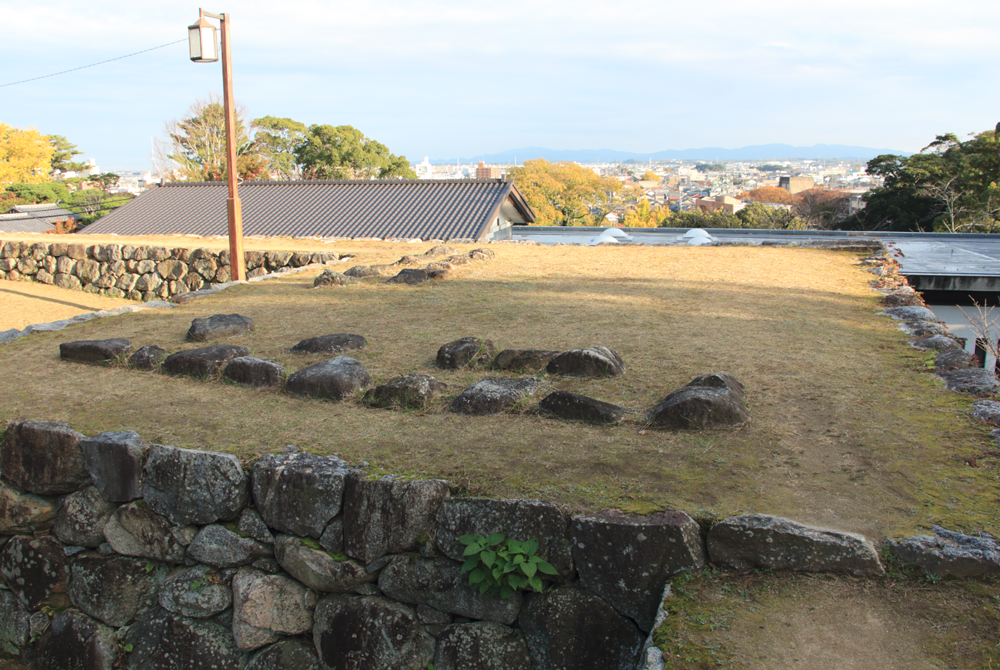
pixel 709 401
pixel 411 276
pixel 138 272
pixel 120 554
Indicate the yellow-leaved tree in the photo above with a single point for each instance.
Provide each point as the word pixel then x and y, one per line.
pixel 567 194
pixel 25 156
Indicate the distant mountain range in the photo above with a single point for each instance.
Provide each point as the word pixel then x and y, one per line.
pixel 758 152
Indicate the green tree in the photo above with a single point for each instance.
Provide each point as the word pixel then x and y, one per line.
pixel 35 193
pixel 63 152
pixel 105 181
pixel 758 215
pixel 710 167
pixel 196 145
pixel 343 152
pixel 278 140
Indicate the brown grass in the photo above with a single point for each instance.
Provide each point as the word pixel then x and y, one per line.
pixel 848 430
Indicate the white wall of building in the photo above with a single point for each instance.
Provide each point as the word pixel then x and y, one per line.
pixel 959 325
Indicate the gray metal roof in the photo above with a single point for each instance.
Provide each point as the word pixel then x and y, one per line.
pixel 24 223
pixel 427 209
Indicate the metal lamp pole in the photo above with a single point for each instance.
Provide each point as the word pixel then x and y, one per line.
pixel 203 44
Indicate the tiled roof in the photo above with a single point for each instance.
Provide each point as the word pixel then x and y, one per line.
pixel 427 209
pixel 24 223
pixel 46 211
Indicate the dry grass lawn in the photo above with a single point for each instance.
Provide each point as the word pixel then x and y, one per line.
pixel 848 430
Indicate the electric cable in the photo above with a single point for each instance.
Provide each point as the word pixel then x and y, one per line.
pixel 83 67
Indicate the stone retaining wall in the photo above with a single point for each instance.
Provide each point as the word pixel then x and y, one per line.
pixel 117 553
pixel 137 272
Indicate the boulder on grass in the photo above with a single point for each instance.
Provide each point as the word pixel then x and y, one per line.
pixel 987 410
pixel 202 362
pixel 414 276
pixel 94 350
pixel 578 407
pixel 465 352
pixel 590 362
pixel 923 328
pixel 253 371
pixel 911 313
pixel 337 343
pixel 936 343
pixel 346 638
pixel 772 542
pixel 218 326
pixel 409 391
pixel 707 402
pixel 523 360
pixel 977 381
pixel 949 554
pixel 148 357
pixel 43 457
pixel 331 278
pixel 333 379
pixel 493 395
pixel 955 359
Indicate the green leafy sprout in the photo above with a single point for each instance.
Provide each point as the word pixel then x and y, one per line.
pixel 502 565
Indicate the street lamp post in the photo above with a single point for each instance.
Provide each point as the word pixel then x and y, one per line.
pixel 204 47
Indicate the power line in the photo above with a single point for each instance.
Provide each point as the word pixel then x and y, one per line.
pixel 82 67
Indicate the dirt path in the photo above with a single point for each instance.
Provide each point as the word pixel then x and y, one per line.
pixel 23 303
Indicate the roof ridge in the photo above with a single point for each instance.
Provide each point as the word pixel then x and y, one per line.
pixel 275 182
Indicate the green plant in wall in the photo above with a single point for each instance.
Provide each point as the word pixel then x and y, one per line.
pixel 502 565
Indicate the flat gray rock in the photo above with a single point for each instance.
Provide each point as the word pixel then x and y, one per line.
pixel 265 607
pixel 389 517
pixel 987 410
pixel 571 629
pixel 923 328
pixel 114 462
pixel 977 381
pixel 772 542
pixel 331 278
pixel 595 361
pixel 935 343
pixel 135 530
pixel 90 351
pixel 576 407
pixel 43 457
pixel 413 391
pixel 198 592
pixel 333 379
pixel 219 326
pixel 147 357
pixel 949 554
pixel 911 313
pixel 465 352
pixel 523 360
pixel 114 589
pixel 955 359
pixel 493 395
pixel 626 559
pixel 518 519
pixel 191 486
pixel 299 494
pixel 414 276
pixel 346 639
pixel 319 569
pixel 336 343
pixel 220 547
pixel 253 371
pixel 202 362
pixel 439 583
pixel 707 402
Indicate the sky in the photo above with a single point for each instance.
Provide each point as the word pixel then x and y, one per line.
pixel 449 79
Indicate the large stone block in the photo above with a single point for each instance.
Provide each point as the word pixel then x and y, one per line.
pixel 763 541
pixel 135 530
pixel 162 640
pixel 114 589
pixel 43 457
pixel 15 629
pixel 82 517
pixel 253 371
pixel 518 519
pixel 337 343
pixel 409 391
pixel 570 629
pixel 299 493
pixel 268 606
pixel 74 641
pixel 198 592
pixel 709 401
pixel 333 379
pixel 493 395
pixel 218 326
pixel 389 517
pixel 596 361
pixel 481 645
pixel 523 360
pixel 949 554
pixel 202 362
pixel 191 486
pixel 289 654
pixel 222 548
pixel 94 350
pixel 21 513
pixel 465 352
pixel 35 569
pixel 626 559
pixel 578 407
pixel 370 632
pixel 114 462
pixel 318 569
pixel 439 583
